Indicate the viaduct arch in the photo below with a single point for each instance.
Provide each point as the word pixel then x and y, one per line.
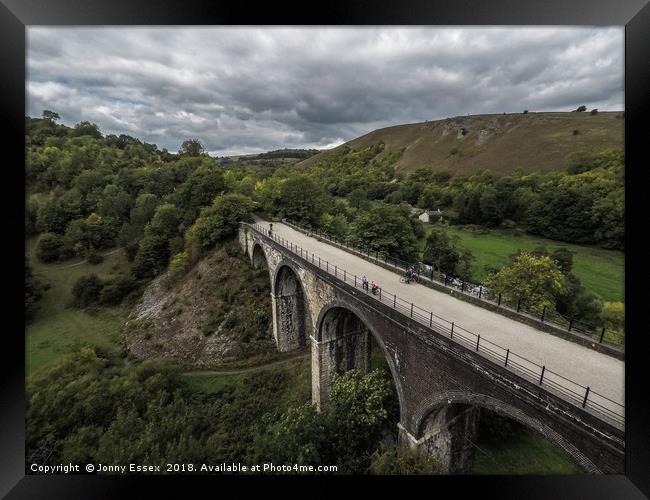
pixel 441 385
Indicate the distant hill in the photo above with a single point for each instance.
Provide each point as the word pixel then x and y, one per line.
pixel 270 158
pixel 501 143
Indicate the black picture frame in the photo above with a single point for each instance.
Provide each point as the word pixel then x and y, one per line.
pixel 15 15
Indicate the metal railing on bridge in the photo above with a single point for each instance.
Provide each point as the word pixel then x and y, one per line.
pixel 577 394
pixel 571 325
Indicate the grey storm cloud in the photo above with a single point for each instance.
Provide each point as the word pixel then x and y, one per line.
pixel 249 89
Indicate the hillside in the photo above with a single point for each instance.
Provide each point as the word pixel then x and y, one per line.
pixel 218 312
pixel 501 143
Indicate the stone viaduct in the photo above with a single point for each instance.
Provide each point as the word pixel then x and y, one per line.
pixel 441 385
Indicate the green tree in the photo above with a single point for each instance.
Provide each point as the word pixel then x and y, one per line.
pixel 218 222
pixel 192 147
pixel 132 232
pixel 51 116
pixel 385 229
pixel 87 128
pixel 335 225
pixel 613 315
pixel 86 291
pixel 346 433
pixel 51 217
pixel 154 249
pixel 33 292
pixel 49 248
pixel 116 289
pixel 444 252
pixel 199 190
pixel 538 280
pixel 301 200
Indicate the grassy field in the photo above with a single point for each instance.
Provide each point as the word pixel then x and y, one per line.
pixel 525 453
pixel 57 329
pixel 600 271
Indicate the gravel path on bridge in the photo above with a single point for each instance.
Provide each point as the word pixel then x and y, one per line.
pixel 603 374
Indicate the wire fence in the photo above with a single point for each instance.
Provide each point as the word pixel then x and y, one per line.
pixel 547 315
pixel 577 394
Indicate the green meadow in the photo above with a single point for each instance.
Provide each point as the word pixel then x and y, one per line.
pixel 600 271
pixel 57 329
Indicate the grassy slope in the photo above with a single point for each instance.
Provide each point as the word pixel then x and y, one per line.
pixel 56 329
pixel 600 271
pixel 299 370
pixel 535 141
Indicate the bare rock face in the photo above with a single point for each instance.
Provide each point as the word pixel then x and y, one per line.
pixel 203 318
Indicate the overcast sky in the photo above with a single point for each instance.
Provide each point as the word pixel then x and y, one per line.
pixel 248 90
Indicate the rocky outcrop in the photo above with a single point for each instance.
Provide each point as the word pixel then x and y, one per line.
pixel 219 311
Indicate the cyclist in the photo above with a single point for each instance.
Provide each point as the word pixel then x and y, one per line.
pixel 374 287
pixel 364 282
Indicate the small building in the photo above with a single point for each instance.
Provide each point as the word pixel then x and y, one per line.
pixel 431 215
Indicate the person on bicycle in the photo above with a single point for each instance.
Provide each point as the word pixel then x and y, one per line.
pixel 364 282
pixel 373 287
pixel 409 275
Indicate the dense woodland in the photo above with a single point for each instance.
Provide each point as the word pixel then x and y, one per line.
pixel 87 192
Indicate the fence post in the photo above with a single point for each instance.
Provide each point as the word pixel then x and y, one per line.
pixel 543 314
pixel 327 266
pixel 507 354
pixel 446 277
pixel 431 320
pixel 480 291
pixel 542 377
pixel 431 273
pixel 411 309
pixel 345 278
pixel 462 286
pixel 380 295
pixel 499 302
pixel 570 324
pixel 519 304
pixel 394 301
pixel 478 339
pixel 451 335
pixel 355 281
pixel 602 334
pixel 318 262
pixel 584 401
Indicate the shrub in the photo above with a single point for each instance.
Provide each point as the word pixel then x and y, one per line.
pixel 86 291
pixel 576 132
pixel 613 314
pixel 581 109
pixel 33 292
pixel 525 111
pixel 50 248
pixel 397 460
pixel 594 111
pixel 115 290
